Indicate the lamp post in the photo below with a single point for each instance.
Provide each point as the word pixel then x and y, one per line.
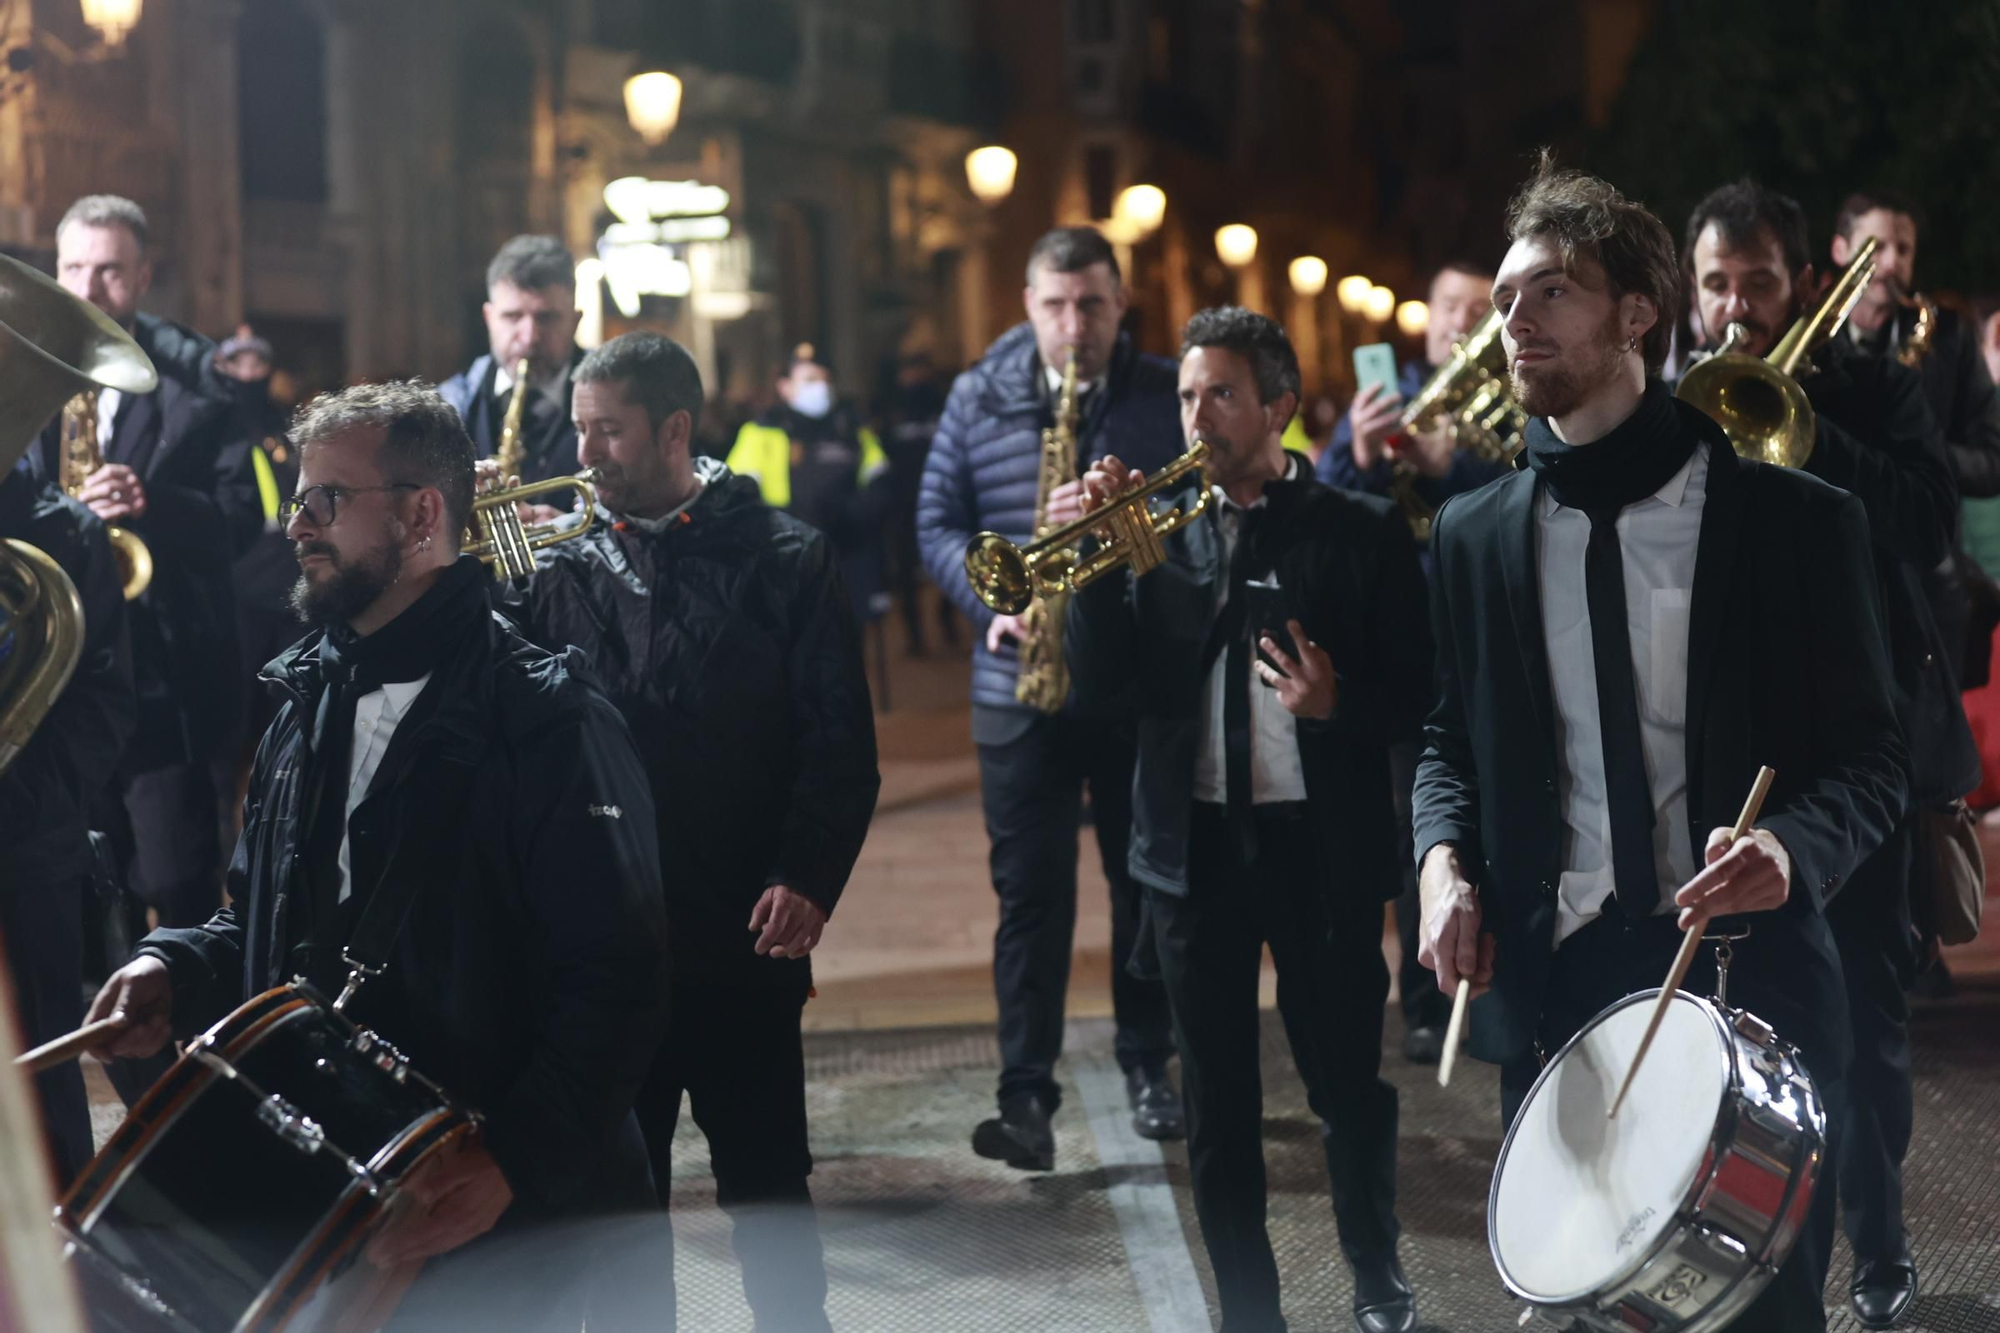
pixel 1308 278
pixel 1236 246
pixel 1413 317
pixel 653 105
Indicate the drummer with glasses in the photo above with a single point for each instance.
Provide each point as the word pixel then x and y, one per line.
pixel 1626 631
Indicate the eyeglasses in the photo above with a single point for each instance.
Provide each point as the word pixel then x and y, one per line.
pixel 321 504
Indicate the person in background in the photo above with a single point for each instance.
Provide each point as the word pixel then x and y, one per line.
pixel 812 456
pixel 915 403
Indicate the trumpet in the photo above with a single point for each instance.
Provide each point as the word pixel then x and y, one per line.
pixel 504 541
pixel 1758 402
pixel 1008 578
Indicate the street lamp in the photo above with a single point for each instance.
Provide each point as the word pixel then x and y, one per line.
pixel 990 173
pixel 653 105
pixel 1236 244
pixel 1381 304
pixel 112 18
pixel 1352 293
pixel 1141 208
pixel 1413 317
pixel 1308 275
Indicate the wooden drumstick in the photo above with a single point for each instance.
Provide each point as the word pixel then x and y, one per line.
pixel 66 1048
pixel 1452 1030
pixel 1689 944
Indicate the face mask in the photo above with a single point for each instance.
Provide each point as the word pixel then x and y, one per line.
pixel 814 398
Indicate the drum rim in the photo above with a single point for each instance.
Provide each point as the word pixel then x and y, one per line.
pixel 1724 1121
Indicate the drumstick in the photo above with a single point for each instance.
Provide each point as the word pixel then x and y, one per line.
pixel 1689 944
pixel 66 1048
pixel 1452 1029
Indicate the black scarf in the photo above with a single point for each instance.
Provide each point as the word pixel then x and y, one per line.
pixel 411 644
pixel 1637 458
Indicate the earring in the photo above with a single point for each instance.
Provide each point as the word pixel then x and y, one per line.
pixel 1631 345
pixel 424 545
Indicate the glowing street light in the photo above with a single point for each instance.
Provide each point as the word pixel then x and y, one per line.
pixel 1413 317
pixel 1381 304
pixel 653 105
pixel 990 173
pixel 1142 208
pixel 1308 275
pixel 112 18
pixel 1352 293
pixel 1236 244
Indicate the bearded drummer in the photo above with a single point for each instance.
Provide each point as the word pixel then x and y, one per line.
pixel 1625 631
pixel 529 972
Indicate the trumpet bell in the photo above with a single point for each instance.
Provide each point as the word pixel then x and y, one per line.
pixel 1765 413
pixel 999 574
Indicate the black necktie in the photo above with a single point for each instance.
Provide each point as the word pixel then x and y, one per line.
pixel 1236 689
pixel 1626 789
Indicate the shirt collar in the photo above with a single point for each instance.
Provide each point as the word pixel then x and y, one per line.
pixel 398 695
pixel 1053 378
pixel 503 381
pixel 1228 506
pixel 672 515
pixel 1673 492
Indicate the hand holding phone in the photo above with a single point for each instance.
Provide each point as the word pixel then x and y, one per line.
pixel 1268 610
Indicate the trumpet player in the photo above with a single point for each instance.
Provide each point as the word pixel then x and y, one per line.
pixel 1747 251
pixel 723 635
pixel 1271 662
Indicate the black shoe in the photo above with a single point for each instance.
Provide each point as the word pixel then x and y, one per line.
pixel 1020 1136
pixel 1156 1107
pixel 1882 1291
pixel 1423 1045
pixel 1383 1301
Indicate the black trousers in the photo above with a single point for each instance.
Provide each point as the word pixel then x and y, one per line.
pixel 1870 921
pixel 737 1053
pixel 1333 984
pixel 42 921
pixel 1423 1004
pixel 1032 790
pixel 175 864
pixel 1612 957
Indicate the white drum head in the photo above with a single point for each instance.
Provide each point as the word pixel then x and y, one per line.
pixel 1579 1200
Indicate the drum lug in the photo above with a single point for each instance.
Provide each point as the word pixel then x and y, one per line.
pixel 291 1125
pixel 384 1056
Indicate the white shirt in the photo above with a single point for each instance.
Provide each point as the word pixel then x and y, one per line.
pixel 376 715
pixel 1658 538
pixel 1084 388
pixel 1275 771
pixel 107 418
pixel 503 382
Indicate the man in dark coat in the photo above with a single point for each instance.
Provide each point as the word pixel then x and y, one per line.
pixel 982 474
pixel 424 748
pixel 1625 633
pixel 1263 812
pixel 1747 251
pixel 46 793
pixel 530 312
pixel 724 637
pixel 176 476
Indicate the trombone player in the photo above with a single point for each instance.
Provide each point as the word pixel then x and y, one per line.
pixel 1262 808
pixel 1747 254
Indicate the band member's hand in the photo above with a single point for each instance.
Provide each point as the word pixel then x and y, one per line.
pixel 790 923
pixel 1106 479
pixel 1755 875
pixel 113 492
pixel 141 994
pixel 1449 941
pixel 1001 629
pixel 1373 416
pixel 532 514
pixel 1307 687
pixel 1431 451
pixel 451 1198
pixel 1065 503
pixel 486 476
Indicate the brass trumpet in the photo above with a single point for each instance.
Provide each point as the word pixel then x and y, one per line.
pixel 1008 577
pixel 1758 401
pixel 502 540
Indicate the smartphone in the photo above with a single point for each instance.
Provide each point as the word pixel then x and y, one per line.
pixel 1268 609
pixel 1374 364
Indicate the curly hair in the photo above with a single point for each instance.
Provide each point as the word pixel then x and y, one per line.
pixel 1259 339
pixel 424 442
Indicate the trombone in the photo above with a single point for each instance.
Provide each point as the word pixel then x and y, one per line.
pixel 1758 402
pixel 1008 577
pixel 503 540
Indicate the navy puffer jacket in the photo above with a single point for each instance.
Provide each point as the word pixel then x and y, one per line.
pixel 981 472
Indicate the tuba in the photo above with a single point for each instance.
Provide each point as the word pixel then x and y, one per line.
pixel 1043 679
pixel 80 457
pixel 1758 402
pixel 507 543
pixel 1470 395
pixel 52 346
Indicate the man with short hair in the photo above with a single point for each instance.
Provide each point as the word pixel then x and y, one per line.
pixel 982 475
pixel 1747 252
pixel 1625 633
pixel 530 312
pixel 1261 814
pixel 424 748
pixel 176 473
pixel 726 640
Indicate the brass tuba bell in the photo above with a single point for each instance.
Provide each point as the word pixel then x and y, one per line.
pixel 52 346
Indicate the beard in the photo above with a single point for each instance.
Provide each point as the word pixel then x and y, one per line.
pixel 1560 385
pixel 348 587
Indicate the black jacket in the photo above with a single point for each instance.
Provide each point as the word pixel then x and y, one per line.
pixel 1962 399
pixel 986 457
pixel 530 977
pixel 46 793
pixel 1785 667
pixel 185 441
pixel 1349 569
pixel 1877 440
pixel 548 435
pixel 727 643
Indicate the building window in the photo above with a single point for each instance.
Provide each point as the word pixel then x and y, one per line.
pixel 1100 178
pixel 281 102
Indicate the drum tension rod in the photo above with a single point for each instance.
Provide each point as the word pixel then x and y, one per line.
pixel 282 1118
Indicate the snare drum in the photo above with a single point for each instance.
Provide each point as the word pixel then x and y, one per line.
pixel 1672 1217
pixel 240 1188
